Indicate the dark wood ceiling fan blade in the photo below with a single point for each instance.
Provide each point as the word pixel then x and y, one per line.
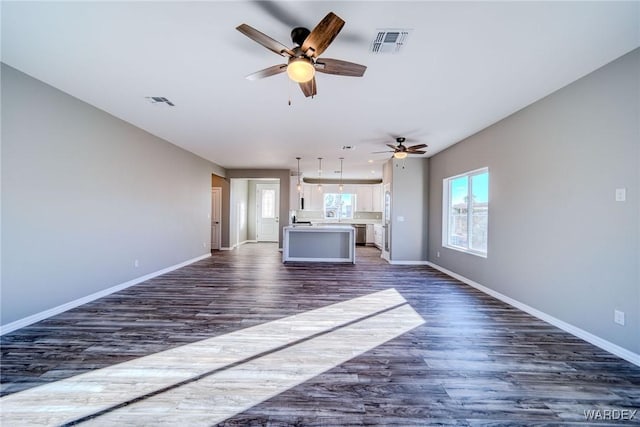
pixel 309 88
pixel 386 151
pixel 322 35
pixel 339 67
pixel 265 40
pixel 416 152
pixel 268 72
pixel 393 147
pixel 417 146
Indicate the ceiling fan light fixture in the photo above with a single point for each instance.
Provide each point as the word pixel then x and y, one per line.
pixel 301 70
pixel 400 155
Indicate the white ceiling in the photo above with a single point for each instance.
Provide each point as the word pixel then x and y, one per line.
pixel 465 66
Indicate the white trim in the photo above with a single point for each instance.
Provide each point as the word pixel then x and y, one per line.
pixel 21 323
pixel 465 251
pixel 235 245
pixel 567 327
pixel 400 262
pixel 218 214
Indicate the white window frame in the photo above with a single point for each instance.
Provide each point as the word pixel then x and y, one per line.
pixel 446 203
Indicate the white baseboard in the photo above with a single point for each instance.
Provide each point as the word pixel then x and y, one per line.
pixel 567 327
pixel 394 262
pixel 21 323
pixel 232 247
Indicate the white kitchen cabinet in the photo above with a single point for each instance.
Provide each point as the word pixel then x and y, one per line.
pixel 377 235
pixel 349 189
pixel 369 198
pixel 294 197
pixel 307 194
pixel 370 234
pixel 313 199
pixel 376 198
pixel 364 198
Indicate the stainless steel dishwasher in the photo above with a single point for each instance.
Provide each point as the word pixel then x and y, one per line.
pixel 361 234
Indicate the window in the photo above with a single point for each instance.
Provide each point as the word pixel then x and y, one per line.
pixel 466 212
pixel 268 203
pixel 339 206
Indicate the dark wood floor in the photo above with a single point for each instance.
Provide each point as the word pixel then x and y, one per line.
pixel 476 360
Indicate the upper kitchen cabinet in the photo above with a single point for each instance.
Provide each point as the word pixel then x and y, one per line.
pixel 313 199
pixel 294 196
pixel 364 198
pixel 369 198
pixel 377 198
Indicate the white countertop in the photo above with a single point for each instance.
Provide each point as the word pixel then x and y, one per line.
pixel 319 227
pixel 324 222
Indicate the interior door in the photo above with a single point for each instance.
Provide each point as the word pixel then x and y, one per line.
pixel 216 218
pixel 267 212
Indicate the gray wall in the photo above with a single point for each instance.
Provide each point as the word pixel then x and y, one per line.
pixel 238 214
pixel 558 240
pixel 84 194
pixel 409 200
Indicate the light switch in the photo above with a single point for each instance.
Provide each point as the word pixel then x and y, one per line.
pixel 400 219
pixel 621 194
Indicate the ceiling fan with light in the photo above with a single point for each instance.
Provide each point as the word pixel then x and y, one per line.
pixel 401 151
pixel 304 58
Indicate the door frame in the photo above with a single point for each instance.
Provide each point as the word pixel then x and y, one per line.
pixel 216 192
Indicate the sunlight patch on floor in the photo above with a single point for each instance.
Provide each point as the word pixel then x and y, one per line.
pixel 208 381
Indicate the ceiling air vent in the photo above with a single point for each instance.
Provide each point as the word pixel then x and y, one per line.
pixel 389 40
pixel 159 99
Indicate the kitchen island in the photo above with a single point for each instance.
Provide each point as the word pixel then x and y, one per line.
pixel 322 243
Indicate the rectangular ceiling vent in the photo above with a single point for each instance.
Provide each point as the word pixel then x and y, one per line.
pixel 159 100
pixel 390 40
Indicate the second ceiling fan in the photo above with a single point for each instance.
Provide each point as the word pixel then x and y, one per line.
pixel 303 57
pixel 401 151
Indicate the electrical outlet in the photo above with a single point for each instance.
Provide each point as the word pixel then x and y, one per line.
pixel 136 263
pixel 621 194
pixel 618 317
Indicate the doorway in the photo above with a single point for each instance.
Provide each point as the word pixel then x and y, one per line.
pixel 267 212
pixel 216 218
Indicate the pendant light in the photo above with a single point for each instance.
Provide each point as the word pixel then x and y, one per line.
pixel 319 173
pixel 341 187
pixel 299 186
